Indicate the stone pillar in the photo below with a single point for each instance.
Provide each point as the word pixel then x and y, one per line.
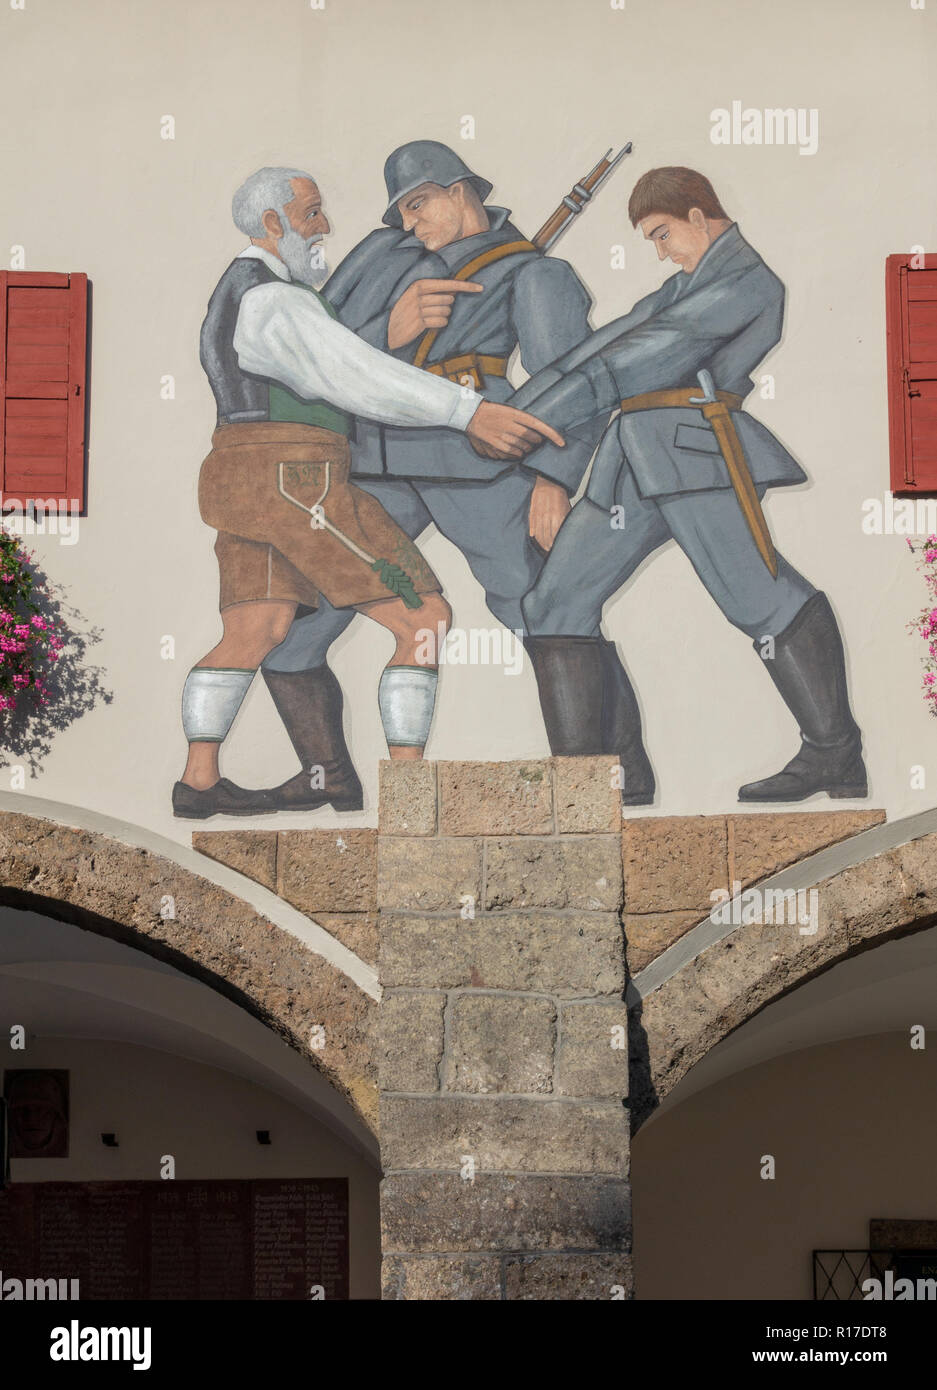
pixel 502 1054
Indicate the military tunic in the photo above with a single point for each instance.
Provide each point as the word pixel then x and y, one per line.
pixel 533 302
pixel 662 468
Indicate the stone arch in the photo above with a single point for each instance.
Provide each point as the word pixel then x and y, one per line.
pixel 871 888
pixel 208 922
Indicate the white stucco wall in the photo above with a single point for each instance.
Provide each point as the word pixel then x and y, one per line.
pixel 846 1152
pixel 88 184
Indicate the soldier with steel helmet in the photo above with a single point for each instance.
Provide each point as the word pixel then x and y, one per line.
pixel 451 285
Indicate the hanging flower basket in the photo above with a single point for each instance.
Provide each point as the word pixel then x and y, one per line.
pixel 28 641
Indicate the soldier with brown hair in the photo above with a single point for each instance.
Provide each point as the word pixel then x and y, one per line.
pixel 682 460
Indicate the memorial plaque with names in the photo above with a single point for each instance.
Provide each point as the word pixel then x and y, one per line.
pixel 266 1239
pixel 16 1233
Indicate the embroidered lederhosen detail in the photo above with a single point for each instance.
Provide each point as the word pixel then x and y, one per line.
pixel 392 576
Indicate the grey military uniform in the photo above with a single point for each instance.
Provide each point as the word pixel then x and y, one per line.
pixel 663 466
pixel 421 476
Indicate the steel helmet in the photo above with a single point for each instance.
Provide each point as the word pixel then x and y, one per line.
pixel 424 161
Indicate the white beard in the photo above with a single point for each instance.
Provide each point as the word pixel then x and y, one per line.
pixel 304 260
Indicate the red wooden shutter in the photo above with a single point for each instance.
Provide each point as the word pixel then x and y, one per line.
pixel 911 326
pixel 43 370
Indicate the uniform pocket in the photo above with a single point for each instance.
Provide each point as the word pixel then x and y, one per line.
pixel 698 438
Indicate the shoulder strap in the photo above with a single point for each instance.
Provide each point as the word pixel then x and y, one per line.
pixel 465 272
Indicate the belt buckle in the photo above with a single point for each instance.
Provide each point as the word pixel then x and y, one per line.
pixel 469 376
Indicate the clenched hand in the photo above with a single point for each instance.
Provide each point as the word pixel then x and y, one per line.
pixel 425 304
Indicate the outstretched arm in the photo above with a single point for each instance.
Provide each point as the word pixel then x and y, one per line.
pixel 646 352
pixel 284 333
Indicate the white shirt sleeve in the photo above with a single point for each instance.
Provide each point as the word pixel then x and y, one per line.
pixel 283 332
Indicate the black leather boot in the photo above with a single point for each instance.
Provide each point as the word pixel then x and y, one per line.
pixel 621 731
pixel 589 707
pixel 310 705
pixel 809 670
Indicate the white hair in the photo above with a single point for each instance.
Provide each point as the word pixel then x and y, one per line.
pixel 267 188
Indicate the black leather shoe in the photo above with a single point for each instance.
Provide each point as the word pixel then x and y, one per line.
pixel 223 799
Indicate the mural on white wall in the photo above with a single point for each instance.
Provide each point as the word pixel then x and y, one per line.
pixel 358 407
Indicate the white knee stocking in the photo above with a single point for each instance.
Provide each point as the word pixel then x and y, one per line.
pixel 406 697
pixel 210 700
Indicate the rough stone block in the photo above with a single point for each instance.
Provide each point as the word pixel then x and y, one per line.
pixel 251 852
pixel 499 1211
pixel 410 1041
pixel 650 933
pixel 356 930
pixel 499 1043
pixel 586 799
pixel 575 956
pixel 504 1135
pixel 407 797
pixel 431 875
pixel 918 860
pixel 513 798
pixel 872 898
pixel 761 845
pixel 673 862
pixel 328 870
pixel 580 873
pixel 569 1278
pixel 592 1050
pixel 453 1278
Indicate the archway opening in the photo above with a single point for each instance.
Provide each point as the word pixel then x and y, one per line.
pixel 795 1160
pixel 164 1142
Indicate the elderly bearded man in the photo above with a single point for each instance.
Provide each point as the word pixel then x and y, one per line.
pixel 287 378
pixel 397 289
pixel 682 460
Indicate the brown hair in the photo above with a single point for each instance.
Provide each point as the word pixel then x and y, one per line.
pixel 673 191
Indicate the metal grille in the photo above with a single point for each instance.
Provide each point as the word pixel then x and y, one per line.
pixel 839 1274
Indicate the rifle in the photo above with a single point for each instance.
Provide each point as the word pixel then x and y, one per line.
pixel 574 202
pixel 576 199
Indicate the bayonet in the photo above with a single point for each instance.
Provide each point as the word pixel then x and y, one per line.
pixel 730 446
pixel 577 198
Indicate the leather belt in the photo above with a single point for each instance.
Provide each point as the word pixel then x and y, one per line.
pixel 716 408
pixel 674 399
pixel 477 365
